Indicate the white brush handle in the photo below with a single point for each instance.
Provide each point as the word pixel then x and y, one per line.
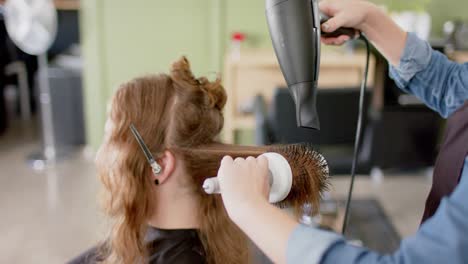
pixel 280 178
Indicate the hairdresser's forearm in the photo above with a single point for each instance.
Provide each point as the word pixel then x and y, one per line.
pixel 269 228
pixel 385 34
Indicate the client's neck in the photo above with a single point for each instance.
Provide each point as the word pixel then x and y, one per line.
pixel 174 208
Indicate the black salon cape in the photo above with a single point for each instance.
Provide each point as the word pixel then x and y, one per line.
pixel 178 246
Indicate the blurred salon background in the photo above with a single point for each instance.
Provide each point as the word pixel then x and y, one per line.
pixel 53 110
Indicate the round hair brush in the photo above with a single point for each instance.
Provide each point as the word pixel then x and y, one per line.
pixel 298 176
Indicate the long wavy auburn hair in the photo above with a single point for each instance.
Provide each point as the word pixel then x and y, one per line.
pixel 182 114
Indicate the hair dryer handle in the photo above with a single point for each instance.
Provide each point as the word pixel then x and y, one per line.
pixel 343 31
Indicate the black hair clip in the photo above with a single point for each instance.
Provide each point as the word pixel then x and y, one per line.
pixel 156 168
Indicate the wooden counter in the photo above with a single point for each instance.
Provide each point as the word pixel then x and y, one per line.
pixel 67 4
pixel 257 72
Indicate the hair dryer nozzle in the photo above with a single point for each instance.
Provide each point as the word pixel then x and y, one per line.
pixel 305 96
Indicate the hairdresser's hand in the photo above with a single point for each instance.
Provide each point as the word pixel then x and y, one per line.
pixel 351 14
pixel 244 185
pixel 378 27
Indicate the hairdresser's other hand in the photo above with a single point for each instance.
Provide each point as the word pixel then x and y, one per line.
pixel 351 14
pixel 244 185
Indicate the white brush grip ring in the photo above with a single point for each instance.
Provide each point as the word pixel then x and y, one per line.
pixel 282 176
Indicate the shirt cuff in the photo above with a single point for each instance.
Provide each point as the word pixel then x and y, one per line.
pixel 309 244
pixel 416 57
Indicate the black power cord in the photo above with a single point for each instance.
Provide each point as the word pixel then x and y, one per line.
pixel 357 142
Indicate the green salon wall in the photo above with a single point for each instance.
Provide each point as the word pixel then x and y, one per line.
pixel 444 10
pixel 95 89
pixel 123 39
pixel 248 16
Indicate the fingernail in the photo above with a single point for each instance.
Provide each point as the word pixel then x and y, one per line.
pixel 326 26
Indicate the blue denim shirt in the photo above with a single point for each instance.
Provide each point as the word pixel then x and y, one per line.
pixel 443 86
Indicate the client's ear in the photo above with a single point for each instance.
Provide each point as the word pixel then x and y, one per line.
pixel 167 162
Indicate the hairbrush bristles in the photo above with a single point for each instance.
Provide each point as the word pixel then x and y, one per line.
pixel 309 169
pixel 310 177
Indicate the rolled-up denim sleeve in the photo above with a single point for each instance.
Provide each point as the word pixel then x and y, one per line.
pixel 416 57
pixel 429 75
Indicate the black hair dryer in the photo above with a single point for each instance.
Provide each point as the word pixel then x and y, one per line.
pixel 295 32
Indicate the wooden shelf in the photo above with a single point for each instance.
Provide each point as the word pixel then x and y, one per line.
pixel 257 72
pixel 67 4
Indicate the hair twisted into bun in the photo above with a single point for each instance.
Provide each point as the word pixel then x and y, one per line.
pixel 182 73
pixel 215 92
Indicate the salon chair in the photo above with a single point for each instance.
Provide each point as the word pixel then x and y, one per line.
pixel 406 132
